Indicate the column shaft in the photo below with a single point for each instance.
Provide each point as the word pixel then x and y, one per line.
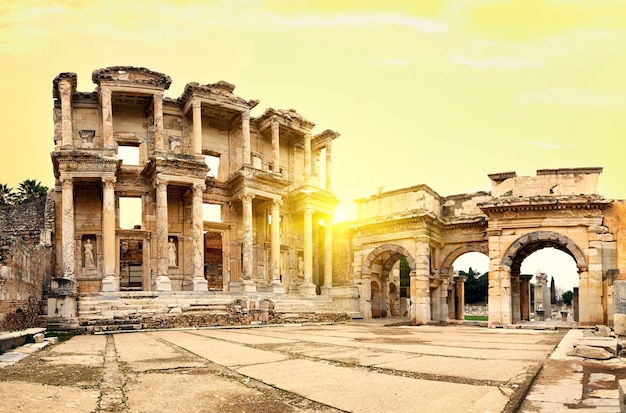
pixel 163 282
pixel 110 281
pixel 307 158
pixel 65 90
pixel 459 282
pixel 107 118
pixel 245 128
pixel 328 254
pixel 275 239
pixel 199 282
pixel 275 145
pixel 247 237
pixel 329 158
pixel 197 127
pixel 308 245
pixel 157 108
pixel 67 227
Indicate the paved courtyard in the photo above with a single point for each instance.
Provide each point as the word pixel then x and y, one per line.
pixel 354 367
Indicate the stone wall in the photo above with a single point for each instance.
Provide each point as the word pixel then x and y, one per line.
pixel 26 262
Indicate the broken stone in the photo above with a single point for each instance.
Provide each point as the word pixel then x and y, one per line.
pixel 589 352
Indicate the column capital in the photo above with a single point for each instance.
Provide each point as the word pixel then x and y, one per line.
pixel 108 180
pixel 198 187
pixel 196 103
pixel 245 115
pixel 159 182
pixel 158 94
pixel 67 182
pixel 276 203
pixel 246 197
pixel 275 123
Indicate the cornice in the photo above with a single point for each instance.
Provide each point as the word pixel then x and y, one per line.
pixel 516 204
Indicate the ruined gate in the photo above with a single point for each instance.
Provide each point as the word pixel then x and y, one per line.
pixel 558 208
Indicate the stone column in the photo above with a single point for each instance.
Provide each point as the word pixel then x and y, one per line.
pixel 157 107
pixel 444 301
pixel 307 158
pixel 245 128
pixel 524 295
pixel 107 118
pixel 248 284
pixel 276 285
pixel 328 258
pixel 307 287
pixel 619 307
pixel 67 227
pixel 420 299
pixel 275 145
pixel 199 282
pixel 110 281
pixel 515 299
pixel 162 281
pixel 435 300
pixel 197 127
pixel 459 282
pixel 65 90
pixel 499 295
pixel 329 157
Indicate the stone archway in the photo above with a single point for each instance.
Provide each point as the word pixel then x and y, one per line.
pixel 513 286
pixel 375 270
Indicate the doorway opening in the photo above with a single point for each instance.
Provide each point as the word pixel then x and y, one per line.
pixel 131 265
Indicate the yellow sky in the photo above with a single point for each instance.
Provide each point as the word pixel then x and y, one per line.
pixel 435 92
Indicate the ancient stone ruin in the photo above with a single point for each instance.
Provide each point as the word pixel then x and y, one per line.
pixel 231 222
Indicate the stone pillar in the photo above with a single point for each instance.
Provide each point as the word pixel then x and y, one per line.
pixel 619 307
pixel 420 301
pixel 328 258
pixel 307 158
pixel 443 319
pixel 365 295
pixel 110 281
pixel 245 128
pixel 65 91
pixel 499 295
pixel 575 305
pixel 542 297
pixel 524 296
pixel 329 157
pixel 197 127
pixel 197 245
pixel 248 284
pixel 515 299
pixel 307 287
pixel 67 227
pixel 275 145
pixel 157 107
pixel 459 282
pixel 107 118
pixel 276 285
pixel 162 281
pixel 435 302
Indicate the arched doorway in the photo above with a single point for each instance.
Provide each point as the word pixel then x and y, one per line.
pixel 386 285
pixel 513 258
pixel 470 288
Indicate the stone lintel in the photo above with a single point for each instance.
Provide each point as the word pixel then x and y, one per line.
pixel 131 75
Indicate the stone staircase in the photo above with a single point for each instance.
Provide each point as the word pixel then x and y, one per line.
pixel 137 310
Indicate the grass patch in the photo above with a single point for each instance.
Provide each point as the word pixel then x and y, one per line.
pixel 477 318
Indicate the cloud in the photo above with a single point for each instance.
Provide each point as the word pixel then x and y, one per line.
pixel 577 97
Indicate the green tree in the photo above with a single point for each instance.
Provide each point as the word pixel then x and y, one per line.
pixel 7 197
pixel 568 296
pixel 476 286
pixel 30 189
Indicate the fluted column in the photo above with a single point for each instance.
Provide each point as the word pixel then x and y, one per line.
pixel 307 287
pixel 275 145
pixel 157 107
pixel 65 90
pixel 248 257
pixel 199 282
pixel 67 227
pixel 245 128
pixel 307 158
pixel 197 127
pixel 107 118
pixel 110 281
pixel 329 158
pixel 162 281
pixel 328 259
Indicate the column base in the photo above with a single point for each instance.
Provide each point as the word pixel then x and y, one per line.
pixel 110 283
pixel 326 290
pixel 248 286
pixel 200 284
pixel 276 287
pixel 308 289
pixel 163 283
pixel 293 288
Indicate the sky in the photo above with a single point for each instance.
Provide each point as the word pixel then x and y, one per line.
pixel 441 92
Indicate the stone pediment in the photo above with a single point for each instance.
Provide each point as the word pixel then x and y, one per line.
pixel 256 181
pixel 176 165
pixel 292 125
pixel 131 75
pixel 218 94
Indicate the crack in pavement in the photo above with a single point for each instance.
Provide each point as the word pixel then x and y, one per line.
pixel 112 395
